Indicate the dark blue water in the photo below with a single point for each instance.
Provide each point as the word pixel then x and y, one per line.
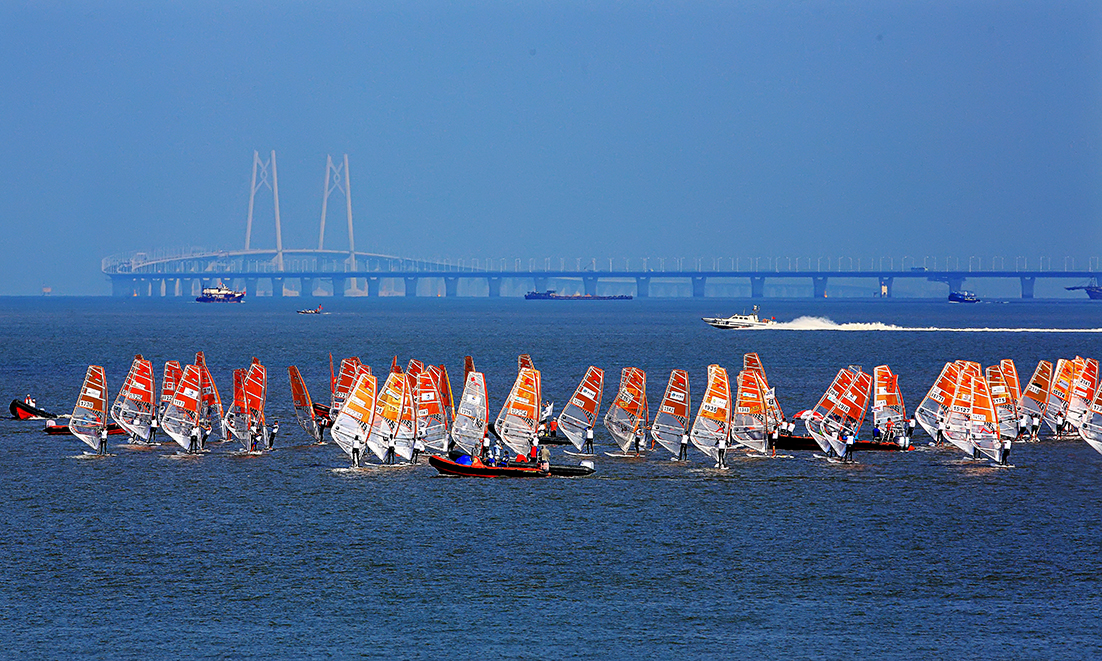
pixel 900 556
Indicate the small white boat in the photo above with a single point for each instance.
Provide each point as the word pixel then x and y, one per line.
pixel 740 320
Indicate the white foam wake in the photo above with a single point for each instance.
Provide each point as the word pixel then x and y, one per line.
pixel 826 324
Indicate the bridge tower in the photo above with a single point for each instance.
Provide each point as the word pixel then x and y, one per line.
pixel 337 179
pixel 268 177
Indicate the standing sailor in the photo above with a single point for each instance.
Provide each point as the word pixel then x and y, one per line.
pixel 152 429
pixel 272 434
pixel 193 446
pixel 357 450
pixel 418 448
pixel 588 446
pixel 683 451
pixel 1034 426
pixel 103 441
pixel 389 459
pixel 721 452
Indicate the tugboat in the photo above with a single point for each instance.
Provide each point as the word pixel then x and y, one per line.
pixel 550 295
pixel 740 320
pixel 963 296
pixel 220 294
pixel 1094 292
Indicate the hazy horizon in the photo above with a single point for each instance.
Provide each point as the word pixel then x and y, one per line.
pixel 561 130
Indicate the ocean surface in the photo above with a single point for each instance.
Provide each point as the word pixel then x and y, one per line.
pixel 287 555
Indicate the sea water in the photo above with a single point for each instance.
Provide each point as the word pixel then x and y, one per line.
pixel 288 555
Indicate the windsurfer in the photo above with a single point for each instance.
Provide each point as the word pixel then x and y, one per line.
pixel 721 452
pixel 389 459
pixel 683 451
pixel 1034 426
pixel 1005 458
pixel 911 428
pixel 418 448
pixel 152 429
pixel 588 446
pixel 193 446
pixel 103 441
pixel 357 450
pixel 850 442
pixel 272 434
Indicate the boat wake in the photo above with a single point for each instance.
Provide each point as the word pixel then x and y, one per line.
pixel 826 324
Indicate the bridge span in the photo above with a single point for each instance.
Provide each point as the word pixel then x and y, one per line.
pixel 184 278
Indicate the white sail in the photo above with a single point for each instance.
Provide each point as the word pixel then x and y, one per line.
pixel 1086 383
pixel 1091 428
pixel 469 427
pixel 933 410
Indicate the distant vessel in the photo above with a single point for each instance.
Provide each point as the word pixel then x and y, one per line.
pixel 220 294
pixel 316 310
pixel 963 296
pixel 1094 292
pixel 550 295
pixel 740 320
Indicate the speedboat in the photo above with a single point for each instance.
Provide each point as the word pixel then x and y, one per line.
pixel 740 320
pixel 316 310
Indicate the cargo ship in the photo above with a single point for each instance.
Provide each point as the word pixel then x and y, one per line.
pixel 550 295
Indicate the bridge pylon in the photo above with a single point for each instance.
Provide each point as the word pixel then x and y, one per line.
pixel 268 177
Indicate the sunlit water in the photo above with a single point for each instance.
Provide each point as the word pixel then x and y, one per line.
pixel 287 555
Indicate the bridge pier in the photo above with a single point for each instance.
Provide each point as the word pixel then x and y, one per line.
pixel 886 287
pixel 250 287
pixel 540 284
pixel 306 286
pixel 1027 286
pixel 955 284
pixel 757 287
pixel 451 287
pixel 277 287
pixel 339 283
pixel 373 287
pixel 699 283
pixel 820 286
pixel 642 287
pixel 495 287
pixel 590 284
pixel 411 287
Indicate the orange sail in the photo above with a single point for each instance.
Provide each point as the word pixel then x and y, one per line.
pixel 304 406
pixel 90 413
pixel 1059 393
pixel 256 397
pixel 671 422
pixel 172 375
pixel 350 370
pixel 518 422
pixel 1086 383
pixel 524 362
pixel 1013 385
pixel 712 427
pixel 580 413
pixel 354 421
pixel 1035 395
pixel 182 415
pixel 841 410
pixel 392 426
pixel 1003 402
pixel 888 412
pixel 626 419
pixel 934 408
pixel 133 409
pixel 444 385
pixel 748 417
pixel 431 415
pixel 984 431
pixel 774 416
pixel 210 403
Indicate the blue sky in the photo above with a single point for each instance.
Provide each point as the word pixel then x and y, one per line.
pixel 566 129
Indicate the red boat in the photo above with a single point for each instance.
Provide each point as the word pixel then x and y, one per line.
pixel 59 429
pixel 21 410
pixel 473 467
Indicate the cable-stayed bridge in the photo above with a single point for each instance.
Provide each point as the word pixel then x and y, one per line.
pixel 328 272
